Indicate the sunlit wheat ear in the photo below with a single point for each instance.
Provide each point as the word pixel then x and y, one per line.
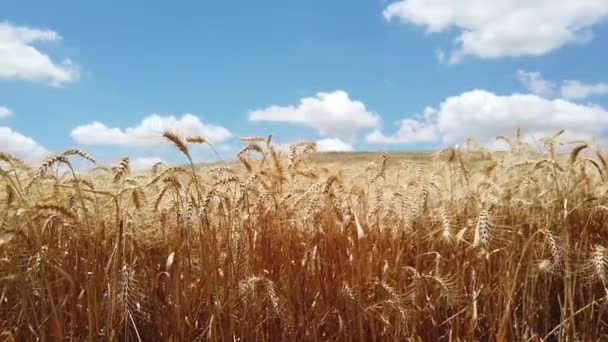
pixel 378 204
pixel 80 153
pixel 157 167
pixel 57 208
pixel 82 181
pixel 419 172
pixel 168 171
pixel 381 171
pixel 546 266
pixel 488 170
pixel 196 140
pixel 603 162
pixel 250 182
pixel 575 152
pixel 278 165
pixel 505 139
pixel 178 142
pixel 309 146
pixel 200 140
pixel 491 202
pixel 252 139
pixel 446 225
pixel 424 198
pixel 549 164
pixel 528 186
pixel 600 262
pixel 227 180
pixel 207 200
pixel 126 282
pixel 37 261
pixel 556 259
pixel 172 182
pixel 245 163
pixel 272 296
pixel 375 177
pixel 447 286
pixel 10 194
pixel 520 203
pixel 159 198
pixel 121 170
pixel 138 198
pixel 129 299
pixel 329 182
pixel 394 299
pixel 251 148
pixel 6 157
pixel 521 164
pixel 291 158
pixel 347 292
pixel 50 162
pixel 248 292
pixel 595 268
pixel 596 166
pixel 482 230
pixel 409 212
pixel 13 161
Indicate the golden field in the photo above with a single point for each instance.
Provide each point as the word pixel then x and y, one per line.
pixel 463 244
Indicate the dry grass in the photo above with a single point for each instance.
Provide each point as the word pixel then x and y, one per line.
pixel 457 245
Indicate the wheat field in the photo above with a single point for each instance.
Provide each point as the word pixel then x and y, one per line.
pixel 462 244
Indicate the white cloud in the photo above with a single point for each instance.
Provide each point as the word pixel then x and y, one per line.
pixel 333 145
pixel 410 131
pixel 332 114
pixel 144 163
pixel 569 89
pixel 498 28
pixel 21 146
pixel 577 90
pixel 5 112
pixel 20 59
pixel 534 82
pixel 149 132
pixel 483 115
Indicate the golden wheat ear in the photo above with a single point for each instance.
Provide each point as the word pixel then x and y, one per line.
pixel 178 142
pixel 121 170
pixel 201 140
pixel 576 151
pixel 252 139
pixel 195 140
pixel 80 153
pixel 50 162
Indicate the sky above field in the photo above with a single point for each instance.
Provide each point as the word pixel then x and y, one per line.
pixel 110 76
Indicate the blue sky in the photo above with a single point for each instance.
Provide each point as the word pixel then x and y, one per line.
pixel 351 74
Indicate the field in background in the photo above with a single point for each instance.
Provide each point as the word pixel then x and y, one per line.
pixel 350 160
pixel 454 245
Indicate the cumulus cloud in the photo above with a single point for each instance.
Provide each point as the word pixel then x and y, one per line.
pixel 5 112
pixel 498 28
pixel 576 90
pixel 144 163
pixel 20 59
pixel 569 89
pixel 535 83
pixel 149 132
pixel 20 145
pixel 483 115
pixel 333 145
pixel 421 129
pixel 332 114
